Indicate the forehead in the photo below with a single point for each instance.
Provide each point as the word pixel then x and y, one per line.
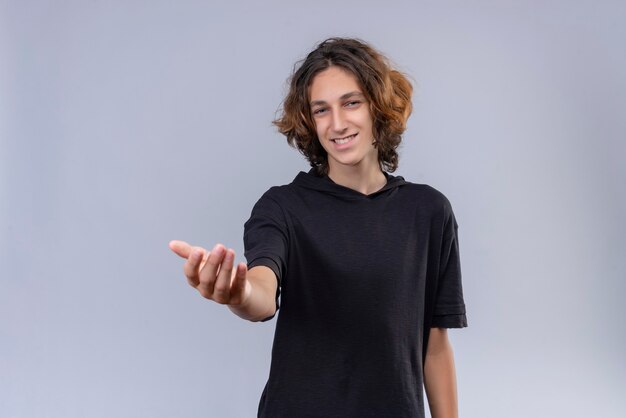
pixel 332 83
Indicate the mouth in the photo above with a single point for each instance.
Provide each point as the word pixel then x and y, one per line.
pixel 344 140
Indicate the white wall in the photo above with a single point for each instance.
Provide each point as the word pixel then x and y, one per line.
pixel 126 124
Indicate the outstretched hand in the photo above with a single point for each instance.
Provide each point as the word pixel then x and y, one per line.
pixel 213 273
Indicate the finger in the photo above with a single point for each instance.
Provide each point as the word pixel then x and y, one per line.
pixel 238 286
pixel 221 290
pixel 192 266
pixel 181 248
pixel 184 250
pixel 204 259
pixel 208 273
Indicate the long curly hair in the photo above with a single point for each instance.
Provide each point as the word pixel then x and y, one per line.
pixel 387 91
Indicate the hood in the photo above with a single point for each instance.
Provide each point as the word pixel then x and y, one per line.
pixel 324 184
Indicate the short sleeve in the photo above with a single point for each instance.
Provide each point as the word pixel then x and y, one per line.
pixel 265 239
pixel 449 306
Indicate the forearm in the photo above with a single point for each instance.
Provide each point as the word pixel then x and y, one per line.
pixel 440 376
pixel 260 302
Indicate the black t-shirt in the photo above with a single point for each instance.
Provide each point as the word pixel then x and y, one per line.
pixel 362 279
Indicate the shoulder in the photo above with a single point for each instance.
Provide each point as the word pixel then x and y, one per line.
pixel 427 194
pixel 430 201
pixel 276 198
pixel 425 190
pixel 285 193
pixel 277 194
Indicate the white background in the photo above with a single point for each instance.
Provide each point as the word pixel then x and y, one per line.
pixel 126 124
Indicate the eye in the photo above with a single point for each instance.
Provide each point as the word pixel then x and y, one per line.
pixel 353 103
pixel 319 111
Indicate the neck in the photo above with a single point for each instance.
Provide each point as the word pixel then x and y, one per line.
pixel 363 180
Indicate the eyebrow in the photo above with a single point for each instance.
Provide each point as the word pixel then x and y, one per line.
pixel 343 97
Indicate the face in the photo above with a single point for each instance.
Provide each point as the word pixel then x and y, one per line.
pixel 342 120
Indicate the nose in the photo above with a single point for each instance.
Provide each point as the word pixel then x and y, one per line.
pixel 339 121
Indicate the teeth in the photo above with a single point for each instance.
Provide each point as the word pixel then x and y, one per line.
pixel 343 140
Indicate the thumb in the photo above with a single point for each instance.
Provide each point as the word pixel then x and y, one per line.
pixel 240 287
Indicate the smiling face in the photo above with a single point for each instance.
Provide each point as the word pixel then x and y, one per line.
pixel 343 121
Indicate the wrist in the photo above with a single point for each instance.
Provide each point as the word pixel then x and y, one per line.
pixel 252 306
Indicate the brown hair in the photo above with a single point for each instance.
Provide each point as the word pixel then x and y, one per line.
pixel 387 91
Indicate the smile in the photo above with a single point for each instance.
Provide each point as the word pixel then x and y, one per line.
pixel 344 140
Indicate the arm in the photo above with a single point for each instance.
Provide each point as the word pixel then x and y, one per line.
pixel 440 376
pixel 249 294
pixel 261 302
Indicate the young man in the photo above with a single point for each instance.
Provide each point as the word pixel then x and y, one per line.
pixel 366 264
